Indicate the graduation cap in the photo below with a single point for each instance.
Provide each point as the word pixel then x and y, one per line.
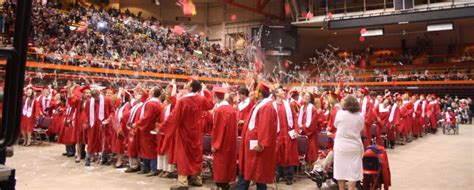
pixel 334 95
pixel 364 90
pixel 87 87
pixel 109 88
pixel 37 89
pixel 264 87
pixel 294 92
pixel 219 92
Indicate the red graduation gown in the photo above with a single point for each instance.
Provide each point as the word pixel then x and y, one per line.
pixel 146 141
pixel 132 136
pixel 244 113
pixel 406 118
pixel 312 132
pixel 76 116
pixel 332 117
pixel 287 148
pixel 434 112
pixel 382 114
pixel 368 117
pixel 206 122
pixel 224 140
pixel 66 133
pixel 56 117
pixel 186 133
pixel 163 148
pixel 417 119
pixel 28 123
pixel 395 123
pixel 119 141
pixel 94 136
pixel 260 166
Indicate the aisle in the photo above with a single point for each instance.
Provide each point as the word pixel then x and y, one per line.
pixel 433 162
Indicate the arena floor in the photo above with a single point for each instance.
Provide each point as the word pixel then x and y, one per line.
pixel 434 162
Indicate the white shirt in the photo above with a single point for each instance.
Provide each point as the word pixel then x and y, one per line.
pixel 349 125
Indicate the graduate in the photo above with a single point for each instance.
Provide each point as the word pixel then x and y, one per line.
pixel 28 116
pixel 406 119
pixel 366 106
pixel 247 102
pixel 287 142
pixel 308 121
pixel 132 137
pixel 150 116
pixel 98 112
pixel 163 149
pixel 394 121
pixel 75 114
pixel 257 152
pixel 224 140
pixel 187 133
pixel 381 114
pixel 119 139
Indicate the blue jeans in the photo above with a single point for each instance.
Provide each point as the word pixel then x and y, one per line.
pixel 150 165
pixel 243 184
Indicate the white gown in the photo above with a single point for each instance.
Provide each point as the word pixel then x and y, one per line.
pixel 348 147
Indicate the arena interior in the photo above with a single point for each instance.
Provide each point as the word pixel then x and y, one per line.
pixel 236 94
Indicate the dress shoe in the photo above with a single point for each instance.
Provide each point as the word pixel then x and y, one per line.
pixel 153 173
pixel 88 162
pixel 118 165
pixel 132 170
pixel 70 155
pixel 65 154
pixel 143 172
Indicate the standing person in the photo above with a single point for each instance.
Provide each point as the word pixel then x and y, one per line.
pixel 187 134
pixel 132 137
pixel 381 114
pixel 295 101
pixel 287 144
pixel 66 132
pixel 164 149
pixel 121 115
pixel 150 116
pixel 43 103
pixel 308 120
pixel 257 151
pixel 75 114
pixel 394 121
pixel 333 108
pixel 28 116
pixel 107 129
pixel 406 119
pixel 435 111
pixel 98 112
pixel 224 140
pixel 417 113
pixel 348 147
pixel 366 105
pixel 245 105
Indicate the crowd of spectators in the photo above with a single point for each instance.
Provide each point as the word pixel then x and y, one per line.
pixel 387 75
pixel 91 37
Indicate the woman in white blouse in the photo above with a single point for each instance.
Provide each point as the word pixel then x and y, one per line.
pixel 348 147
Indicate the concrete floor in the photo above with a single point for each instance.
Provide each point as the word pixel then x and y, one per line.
pixel 434 162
